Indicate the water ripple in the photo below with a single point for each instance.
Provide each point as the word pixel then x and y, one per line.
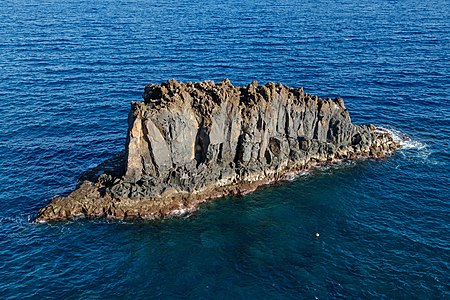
pixel 69 70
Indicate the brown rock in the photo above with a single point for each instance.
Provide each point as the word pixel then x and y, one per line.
pixel 191 142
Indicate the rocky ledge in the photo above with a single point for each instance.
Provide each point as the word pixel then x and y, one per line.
pixel 188 143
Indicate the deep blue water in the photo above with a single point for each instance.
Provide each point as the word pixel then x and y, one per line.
pixel 68 70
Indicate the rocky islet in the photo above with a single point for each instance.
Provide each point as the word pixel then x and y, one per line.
pixel 191 142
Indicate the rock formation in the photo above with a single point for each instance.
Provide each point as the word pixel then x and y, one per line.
pixel 188 143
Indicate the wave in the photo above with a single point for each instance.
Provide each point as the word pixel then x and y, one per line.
pixel 294 176
pixel 406 141
pixel 20 219
pixel 403 139
pixel 410 148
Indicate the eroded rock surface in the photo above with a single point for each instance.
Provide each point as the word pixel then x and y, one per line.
pixel 191 142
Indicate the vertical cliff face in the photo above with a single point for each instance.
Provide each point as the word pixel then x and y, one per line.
pixel 191 136
pixel 188 142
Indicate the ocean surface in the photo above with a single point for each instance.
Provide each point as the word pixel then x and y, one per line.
pixel 69 69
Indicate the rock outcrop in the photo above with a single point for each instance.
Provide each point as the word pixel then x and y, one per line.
pixel 188 143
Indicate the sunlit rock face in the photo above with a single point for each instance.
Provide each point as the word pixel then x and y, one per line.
pixel 190 142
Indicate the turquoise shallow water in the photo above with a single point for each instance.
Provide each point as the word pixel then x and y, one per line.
pixel 68 71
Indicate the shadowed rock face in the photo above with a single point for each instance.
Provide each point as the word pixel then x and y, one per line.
pixel 190 142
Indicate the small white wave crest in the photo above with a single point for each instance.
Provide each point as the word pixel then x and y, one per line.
pixel 20 219
pixel 409 147
pixel 295 175
pixel 403 139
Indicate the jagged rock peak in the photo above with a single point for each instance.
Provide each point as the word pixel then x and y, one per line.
pixel 208 91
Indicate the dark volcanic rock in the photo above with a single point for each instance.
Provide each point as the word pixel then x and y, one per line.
pixel 191 142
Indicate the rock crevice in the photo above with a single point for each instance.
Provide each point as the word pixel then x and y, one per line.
pixel 187 143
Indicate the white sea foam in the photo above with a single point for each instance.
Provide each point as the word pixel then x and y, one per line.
pixel 18 220
pixel 294 176
pixel 410 147
pixel 402 139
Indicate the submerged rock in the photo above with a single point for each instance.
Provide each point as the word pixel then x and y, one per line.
pixel 188 143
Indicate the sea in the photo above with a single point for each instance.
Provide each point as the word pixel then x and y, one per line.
pixel 69 70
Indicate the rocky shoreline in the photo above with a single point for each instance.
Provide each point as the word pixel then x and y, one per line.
pixel 189 143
